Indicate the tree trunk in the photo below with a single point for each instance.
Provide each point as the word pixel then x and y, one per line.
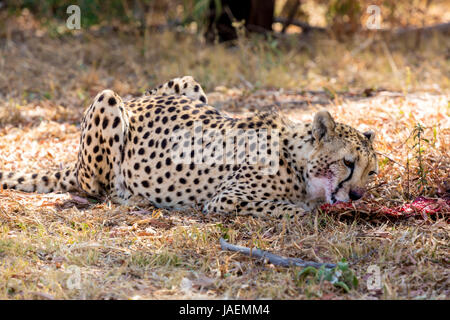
pixel 257 14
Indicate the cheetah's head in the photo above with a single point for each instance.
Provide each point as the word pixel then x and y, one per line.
pixel 342 160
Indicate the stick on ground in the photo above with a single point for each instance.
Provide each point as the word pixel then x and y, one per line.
pixel 273 258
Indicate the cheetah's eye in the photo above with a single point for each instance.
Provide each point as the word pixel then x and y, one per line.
pixel 349 164
pixel 371 173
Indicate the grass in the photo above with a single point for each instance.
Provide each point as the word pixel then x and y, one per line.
pixel 49 242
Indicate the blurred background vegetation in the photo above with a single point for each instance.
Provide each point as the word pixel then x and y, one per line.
pixel 132 45
pixel 336 15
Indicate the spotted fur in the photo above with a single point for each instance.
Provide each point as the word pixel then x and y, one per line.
pixel 127 154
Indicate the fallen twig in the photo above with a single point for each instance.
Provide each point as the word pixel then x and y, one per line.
pixel 305 26
pixel 273 258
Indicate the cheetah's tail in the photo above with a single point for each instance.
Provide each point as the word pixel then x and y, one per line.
pixel 43 182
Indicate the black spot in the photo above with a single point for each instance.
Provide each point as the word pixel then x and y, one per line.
pixel 116 122
pixel 45 179
pixel 100 99
pixel 112 101
pixel 105 123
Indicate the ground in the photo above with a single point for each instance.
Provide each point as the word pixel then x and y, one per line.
pixel 140 252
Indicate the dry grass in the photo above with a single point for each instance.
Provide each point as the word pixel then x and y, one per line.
pixel 128 252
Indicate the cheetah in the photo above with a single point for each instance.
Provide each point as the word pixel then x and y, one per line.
pixel 169 148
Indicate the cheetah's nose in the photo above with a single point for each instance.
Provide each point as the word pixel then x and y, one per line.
pixel 356 194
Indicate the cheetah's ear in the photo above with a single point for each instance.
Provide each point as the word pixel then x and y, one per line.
pixel 323 125
pixel 369 135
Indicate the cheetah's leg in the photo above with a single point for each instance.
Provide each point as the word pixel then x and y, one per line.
pixel 229 203
pixel 103 138
pixel 185 86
